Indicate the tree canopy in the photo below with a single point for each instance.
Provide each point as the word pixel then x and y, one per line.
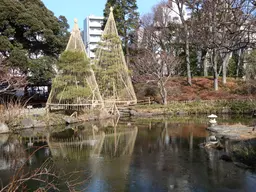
pixel 127 20
pixel 72 83
pixel 28 30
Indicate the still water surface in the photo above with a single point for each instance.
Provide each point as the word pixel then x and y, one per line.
pixel 133 156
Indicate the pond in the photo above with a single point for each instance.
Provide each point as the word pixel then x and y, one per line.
pixel 134 155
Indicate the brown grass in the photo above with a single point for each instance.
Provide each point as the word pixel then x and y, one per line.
pixel 11 111
pixel 201 89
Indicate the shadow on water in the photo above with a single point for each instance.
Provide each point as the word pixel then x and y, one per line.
pixel 135 155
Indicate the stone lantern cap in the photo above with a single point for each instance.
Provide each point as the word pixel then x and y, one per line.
pixel 212 116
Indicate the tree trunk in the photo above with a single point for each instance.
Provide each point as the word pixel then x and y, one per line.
pixel 224 67
pixel 215 70
pixel 165 96
pixel 205 63
pixel 199 60
pixel 127 55
pixel 181 5
pixel 189 79
pixel 238 62
pixel 163 92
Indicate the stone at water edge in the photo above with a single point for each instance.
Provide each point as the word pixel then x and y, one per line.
pixel 4 128
pixel 212 138
pixel 27 123
pixel 69 119
pixel 3 139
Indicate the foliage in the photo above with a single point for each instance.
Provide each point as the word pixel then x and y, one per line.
pixel 200 107
pixel 112 74
pixel 155 57
pixel 206 39
pixel 126 17
pixel 71 82
pixel 13 111
pixel 107 72
pixel 250 69
pixel 28 31
pixel 31 26
pixel 41 70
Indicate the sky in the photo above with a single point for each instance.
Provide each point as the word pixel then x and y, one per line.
pixel 80 9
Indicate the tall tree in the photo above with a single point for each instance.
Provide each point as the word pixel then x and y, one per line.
pixel 181 8
pixel 226 27
pixel 28 31
pixel 156 58
pixel 127 21
pixel 71 84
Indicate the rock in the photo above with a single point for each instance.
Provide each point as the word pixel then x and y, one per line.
pixel 213 145
pixel 27 123
pixel 182 113
pixel 3 139
pixel 39 124
pixel 212 138
pixel 145 114
pixel 225 110
pixel 241 165
pixel 225 157
pixel 69 119
pixel 133 112
pixel 4 128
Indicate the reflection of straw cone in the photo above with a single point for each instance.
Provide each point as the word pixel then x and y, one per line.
pixel 3 139
pixel 113 170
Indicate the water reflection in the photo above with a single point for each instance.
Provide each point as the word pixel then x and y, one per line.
pixel 157 155
pixel 109 140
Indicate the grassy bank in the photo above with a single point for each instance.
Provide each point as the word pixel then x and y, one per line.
pixel 201 107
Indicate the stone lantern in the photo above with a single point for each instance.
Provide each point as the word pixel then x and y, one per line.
pixel 212 120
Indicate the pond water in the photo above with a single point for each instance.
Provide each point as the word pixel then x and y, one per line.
pixel 137 155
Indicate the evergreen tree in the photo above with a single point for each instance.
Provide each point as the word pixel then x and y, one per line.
pixel 108 72
pixel 127 20
pixel 75 84
pixel 112 73
pixel 72 84
pixel 28 30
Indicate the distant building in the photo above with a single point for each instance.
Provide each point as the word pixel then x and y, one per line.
pixel 171 12
pixel 92 33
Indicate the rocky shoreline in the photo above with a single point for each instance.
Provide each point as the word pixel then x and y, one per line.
pixel 236 132
pixel 242 144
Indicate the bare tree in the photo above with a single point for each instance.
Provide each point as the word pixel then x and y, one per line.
pixel 156 56
pixel 181 12
pixel 157 66
pixel 10 79
pixel 225 27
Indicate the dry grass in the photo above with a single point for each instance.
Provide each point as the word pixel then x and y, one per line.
pixel 47 177
pixel 11 111
pixel 201 89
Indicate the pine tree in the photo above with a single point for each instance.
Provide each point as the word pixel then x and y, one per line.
pixel 127 20
pixel 75 84
pixel 112 74
pixel 74 68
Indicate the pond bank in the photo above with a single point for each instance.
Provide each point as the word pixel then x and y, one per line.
pixel 242 139
pixel 196 107
pixel 237 132
pixel 39 118
pixel 32 118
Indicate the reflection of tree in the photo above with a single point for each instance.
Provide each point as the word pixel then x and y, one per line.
pixel 12 152
pixel 98 148
pixel 108 141
pixel 169 152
